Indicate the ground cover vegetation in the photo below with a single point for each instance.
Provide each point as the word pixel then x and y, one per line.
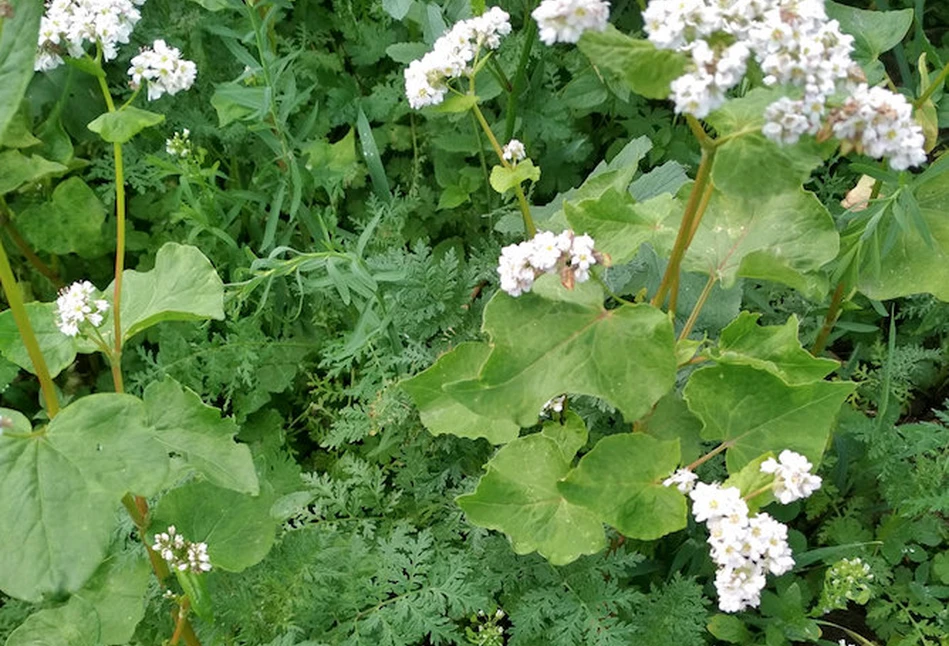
pixel 412 322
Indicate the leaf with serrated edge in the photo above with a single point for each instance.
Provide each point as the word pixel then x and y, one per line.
pixel 620 481
pixel 774 348
pixel 518 496
pixel 757 412
pixel 185 425
pixel 443 414
pixel 555 340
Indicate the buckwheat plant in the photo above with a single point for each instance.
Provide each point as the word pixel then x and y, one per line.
pixel 769 89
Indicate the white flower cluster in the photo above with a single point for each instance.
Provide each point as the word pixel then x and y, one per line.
pixel 880 123
pixel 426 79
pixel 513 151
pixel 792 477
pixel 565 253
pixel 564 21
pixel 68 25
pixel 76 305
pixel 163 68
pixel 794 44
pixel 180 144
pixel 181 554
pixel 746 548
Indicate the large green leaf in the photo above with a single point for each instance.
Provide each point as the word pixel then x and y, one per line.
pixel 620 225
pixel 555 340
pixel 120 126
pixel 774 348
pixel 61 488
pixel 911 266
pixel 620 481
pixel 755 412
pixel 18 38
pixel 518 496
pixel 74 624
pixel 183 286
pixel 185 425
pixel 441 413
pixel 782 237
pixel 70 222
pixel 16 169
pixel 874 32
pixel 646 70
pixel 58 349
pixel 671 420
pixel 750 164
pixel 237 528
pixel 116 592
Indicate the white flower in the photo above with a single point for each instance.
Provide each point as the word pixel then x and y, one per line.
pixel 68 26
pixel 513 151
pixel 683 480
pixel 792 477
pixel 163 69
pixel 554 405
pixel 426 79
pixel 181 554
pixel 75 305
pixel 564 21
pixel 565 253
pixel 180 144
pixel 712 501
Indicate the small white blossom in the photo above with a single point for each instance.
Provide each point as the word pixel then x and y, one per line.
pixel 513 151
pixel 683 480
pixel 181 554
pixel 180 144
pixel 75 305
pixel 792 477
pixel 163 69
pixel 68 26
pixel 712 501
pixel 565 253
pixel 554 405
pixel 564 21
pixel 426 79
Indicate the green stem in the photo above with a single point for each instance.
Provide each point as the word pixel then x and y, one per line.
pixel 699 304
pixel 935 85
pixel 22 320
pixel 691 218
pixel 518 191
pixel 708 456
pixel 830 319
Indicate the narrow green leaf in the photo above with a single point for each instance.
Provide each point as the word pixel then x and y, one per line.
pixel 569 346
pixel 18 38
pixel 186 426
pixel 454 104
pixel 518 496
pixel 620 481
pixel 120 126
pixel 756 412
pixel 443 414
pixel 370 154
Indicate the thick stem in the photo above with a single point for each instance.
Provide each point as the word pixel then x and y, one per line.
pixel 22 320
pixel 694 210
pixel 518 191
pixel 699 304
pixel 829 320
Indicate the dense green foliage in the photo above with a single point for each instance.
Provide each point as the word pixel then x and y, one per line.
pixel 322 382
